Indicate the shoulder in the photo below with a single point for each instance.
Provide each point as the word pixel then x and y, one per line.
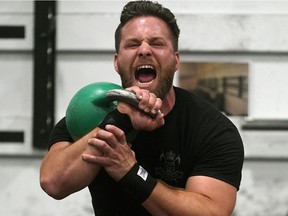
pixel 201 114
pixel 194 104
pixel 59 133
pixel 188 98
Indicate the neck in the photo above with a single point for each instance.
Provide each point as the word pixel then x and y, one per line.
pixel 168 101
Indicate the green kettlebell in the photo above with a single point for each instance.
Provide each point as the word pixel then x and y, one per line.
pixel 88 107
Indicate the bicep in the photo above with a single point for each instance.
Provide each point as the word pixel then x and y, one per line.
pixel 59 145
pixel 54 149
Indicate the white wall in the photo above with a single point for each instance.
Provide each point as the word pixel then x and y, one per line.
pixel 77 70
pixel 16 74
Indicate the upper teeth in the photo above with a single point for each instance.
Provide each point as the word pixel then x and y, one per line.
pixel 145 66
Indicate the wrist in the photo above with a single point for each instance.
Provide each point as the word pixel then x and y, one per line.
pixel 138 183
pixel 118 119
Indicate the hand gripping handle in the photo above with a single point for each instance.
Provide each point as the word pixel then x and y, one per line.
pixel 127 97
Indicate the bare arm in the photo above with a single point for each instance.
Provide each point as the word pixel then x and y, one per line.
pixel 202 196
pixel 63 172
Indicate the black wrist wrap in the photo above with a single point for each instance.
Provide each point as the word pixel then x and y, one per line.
pixel 118 119
pixel 138 183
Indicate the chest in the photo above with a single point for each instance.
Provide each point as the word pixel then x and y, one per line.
pixel 167 154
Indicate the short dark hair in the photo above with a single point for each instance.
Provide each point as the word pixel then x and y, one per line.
pixel 147 8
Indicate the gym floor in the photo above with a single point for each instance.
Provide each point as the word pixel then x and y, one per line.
pixel 21 194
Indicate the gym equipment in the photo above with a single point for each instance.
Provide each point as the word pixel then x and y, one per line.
pixel 127 97
pixel 92 103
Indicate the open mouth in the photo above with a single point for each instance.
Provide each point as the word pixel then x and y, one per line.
pixel 145 73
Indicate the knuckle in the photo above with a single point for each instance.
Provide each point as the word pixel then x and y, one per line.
pixel 121 133
pixel 110 136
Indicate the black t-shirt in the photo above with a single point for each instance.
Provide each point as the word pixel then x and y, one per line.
pixel 196 139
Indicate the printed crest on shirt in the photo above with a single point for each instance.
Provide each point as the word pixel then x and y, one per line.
pixel 170 163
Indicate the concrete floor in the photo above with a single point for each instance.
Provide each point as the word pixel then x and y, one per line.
pixel 264 191
pixel 21 194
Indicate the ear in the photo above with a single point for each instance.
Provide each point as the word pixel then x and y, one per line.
pixel 177 58
pixel 116 63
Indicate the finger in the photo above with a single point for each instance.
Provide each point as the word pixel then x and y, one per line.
pixel 148 102
pixel 145 96
pixel 160 119
pixel 134 89
pixel 157 106
pixel 151 103
pixel 108 136
pixel 101 145
pixel 99 160
pixel 118 134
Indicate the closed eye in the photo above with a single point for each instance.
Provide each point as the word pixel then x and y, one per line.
pixel 157 42
pixel 132 44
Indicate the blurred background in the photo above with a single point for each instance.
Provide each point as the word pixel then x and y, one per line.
pixel 233 53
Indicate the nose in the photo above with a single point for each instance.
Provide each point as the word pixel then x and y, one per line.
pixel 144 49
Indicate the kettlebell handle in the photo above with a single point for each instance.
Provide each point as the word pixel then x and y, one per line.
pixel 126 97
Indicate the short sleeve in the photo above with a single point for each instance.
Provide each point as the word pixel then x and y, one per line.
pixel 222 156
pixel 59 133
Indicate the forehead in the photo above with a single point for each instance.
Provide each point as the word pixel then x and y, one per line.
pixel 146 25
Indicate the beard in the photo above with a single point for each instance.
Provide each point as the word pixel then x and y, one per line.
pixel 163 85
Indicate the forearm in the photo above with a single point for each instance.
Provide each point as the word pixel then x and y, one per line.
pixel 64 172
pixel 165 200
pixel 201 196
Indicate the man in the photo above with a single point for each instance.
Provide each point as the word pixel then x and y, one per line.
pixel 186 161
